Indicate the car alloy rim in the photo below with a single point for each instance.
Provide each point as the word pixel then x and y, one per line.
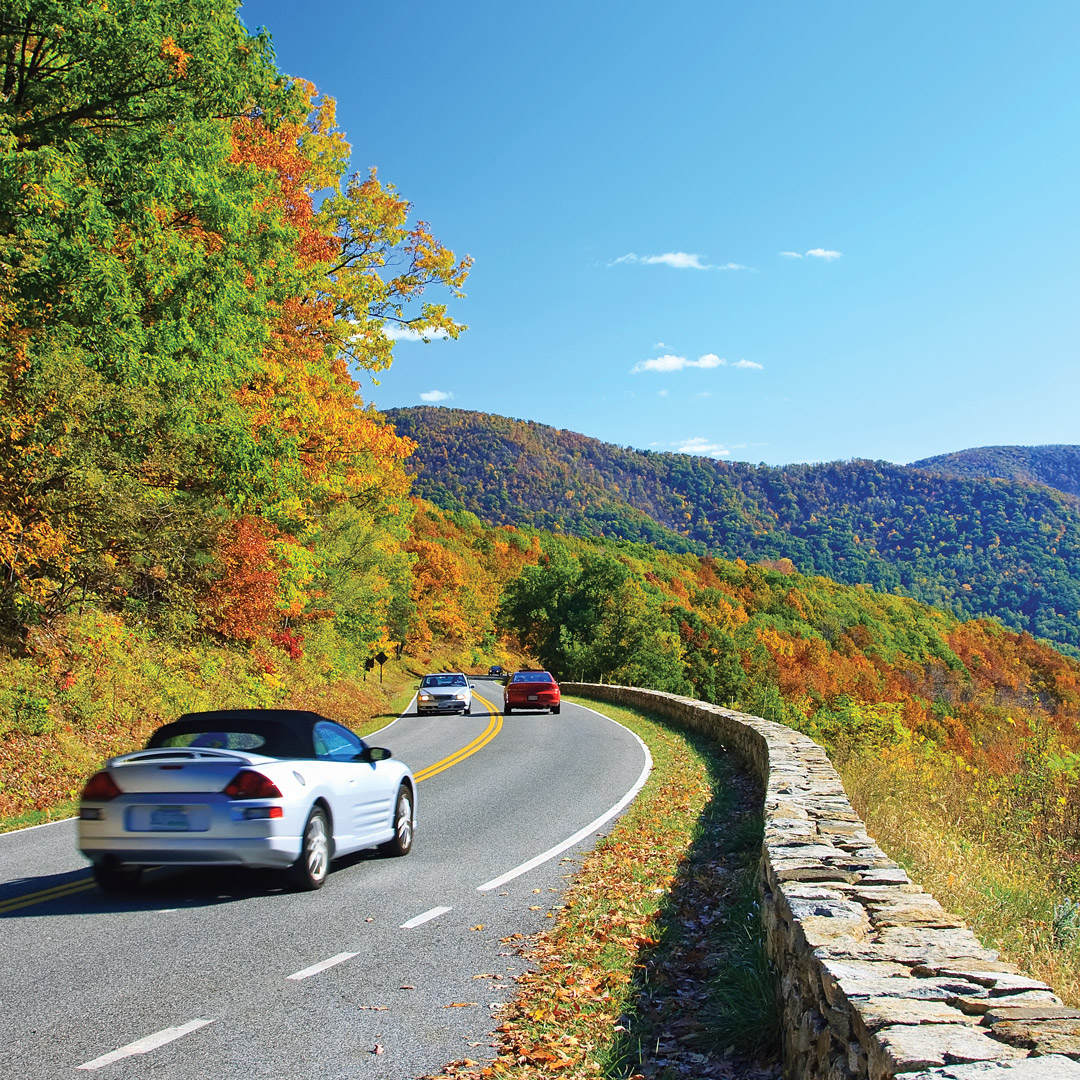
pixel 316 847
pixel 404 822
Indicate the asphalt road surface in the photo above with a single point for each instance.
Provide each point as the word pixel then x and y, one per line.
pixel 208 974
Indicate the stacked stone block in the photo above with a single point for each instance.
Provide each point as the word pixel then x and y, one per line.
pixel 877 979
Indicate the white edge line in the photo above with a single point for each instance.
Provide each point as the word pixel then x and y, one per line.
pixel 408 709
pixel 144 1046
pixel 427 916
pixel 43 825
pixel 341 957
pixel 581 834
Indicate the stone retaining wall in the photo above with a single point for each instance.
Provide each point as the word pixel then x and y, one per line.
pixel 877 979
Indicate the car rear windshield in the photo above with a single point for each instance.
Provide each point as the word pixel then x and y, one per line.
pixel 445 680
pixel 258 736
pixel 216 740
pixel 532 676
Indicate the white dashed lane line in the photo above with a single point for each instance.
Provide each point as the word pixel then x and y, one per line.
pixel 427 916
pixel 145 1045
pixel 341 957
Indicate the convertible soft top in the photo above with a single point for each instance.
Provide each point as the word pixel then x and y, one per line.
pixel 285 732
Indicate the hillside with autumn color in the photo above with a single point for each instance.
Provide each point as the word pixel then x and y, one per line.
pixel 972 545
pixel 1053 466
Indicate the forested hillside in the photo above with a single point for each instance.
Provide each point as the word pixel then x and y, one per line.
pixel 973 546
pixel 190 281
pixel 1055 466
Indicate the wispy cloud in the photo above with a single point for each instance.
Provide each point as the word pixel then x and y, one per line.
pixel 661 393
pixel 814 253
pixel 669 362
pixel 396 332
pixel 436 395
pixel 702 447
pixel 679 260
pixel 660 345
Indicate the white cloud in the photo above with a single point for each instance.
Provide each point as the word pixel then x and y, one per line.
pixel 396 332
pixel 703 393
pixel 815 253
pixel 661 393
pixel 680 260
pixel 660 345
pixel 698 445
pixel 668 362
pixel 436 395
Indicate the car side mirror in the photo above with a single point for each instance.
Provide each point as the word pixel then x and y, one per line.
pixel 373 753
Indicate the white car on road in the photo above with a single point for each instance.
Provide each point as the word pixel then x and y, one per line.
pixel 252 787
pixel 444 691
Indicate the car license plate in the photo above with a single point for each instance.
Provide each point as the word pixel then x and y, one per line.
pixel 533 697
pixel 170 819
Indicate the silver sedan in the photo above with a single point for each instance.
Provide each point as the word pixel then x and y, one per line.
pixel 277 788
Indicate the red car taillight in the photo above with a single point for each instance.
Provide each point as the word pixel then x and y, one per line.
pixel 248 784
pixel 101 787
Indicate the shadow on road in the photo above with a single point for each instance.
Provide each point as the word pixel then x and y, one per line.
pixel 75 892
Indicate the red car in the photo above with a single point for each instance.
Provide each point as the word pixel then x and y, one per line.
pixel 531 690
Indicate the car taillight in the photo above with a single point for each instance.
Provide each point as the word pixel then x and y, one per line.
pixel 248 784
pixel 101 787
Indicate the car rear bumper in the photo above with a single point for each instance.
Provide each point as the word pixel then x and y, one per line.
pixel 268 851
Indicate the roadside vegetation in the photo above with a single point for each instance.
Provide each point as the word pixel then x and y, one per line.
pixel 654 966
pixel 1016 886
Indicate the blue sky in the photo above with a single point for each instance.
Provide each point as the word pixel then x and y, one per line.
pixel 768 232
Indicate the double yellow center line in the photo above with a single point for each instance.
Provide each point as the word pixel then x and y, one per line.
pixel 489 733
pixel 83 884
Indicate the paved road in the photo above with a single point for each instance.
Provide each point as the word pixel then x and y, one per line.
pixel 207 956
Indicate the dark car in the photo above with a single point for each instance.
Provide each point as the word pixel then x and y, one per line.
pixel 531 690
pixel 495 669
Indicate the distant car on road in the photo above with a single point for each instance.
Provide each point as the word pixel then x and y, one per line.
pixel 279 788
pixel 495 669
pixel 531 690
pixel 444 691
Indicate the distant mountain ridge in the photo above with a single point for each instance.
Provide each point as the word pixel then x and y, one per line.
pixel 1055 465
pixel 973 545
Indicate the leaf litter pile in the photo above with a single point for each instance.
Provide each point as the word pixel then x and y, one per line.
pixel 654 968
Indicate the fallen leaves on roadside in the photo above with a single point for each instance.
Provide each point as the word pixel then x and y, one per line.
pixel 478 926
pixel 378 1049
pixel 373 1008
pixel 461 1004
pixel 573 1015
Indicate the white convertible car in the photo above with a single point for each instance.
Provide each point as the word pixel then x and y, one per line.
pixel 251 787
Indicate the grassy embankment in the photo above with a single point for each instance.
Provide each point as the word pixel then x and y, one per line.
pixel 101 687
pixel 1010 885
pixel 654 964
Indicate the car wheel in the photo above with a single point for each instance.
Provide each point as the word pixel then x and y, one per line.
pixel 113 877
pixel 310 870
pixel 468 711
pixel 555 709
pixel 507 710
pixel 403 825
